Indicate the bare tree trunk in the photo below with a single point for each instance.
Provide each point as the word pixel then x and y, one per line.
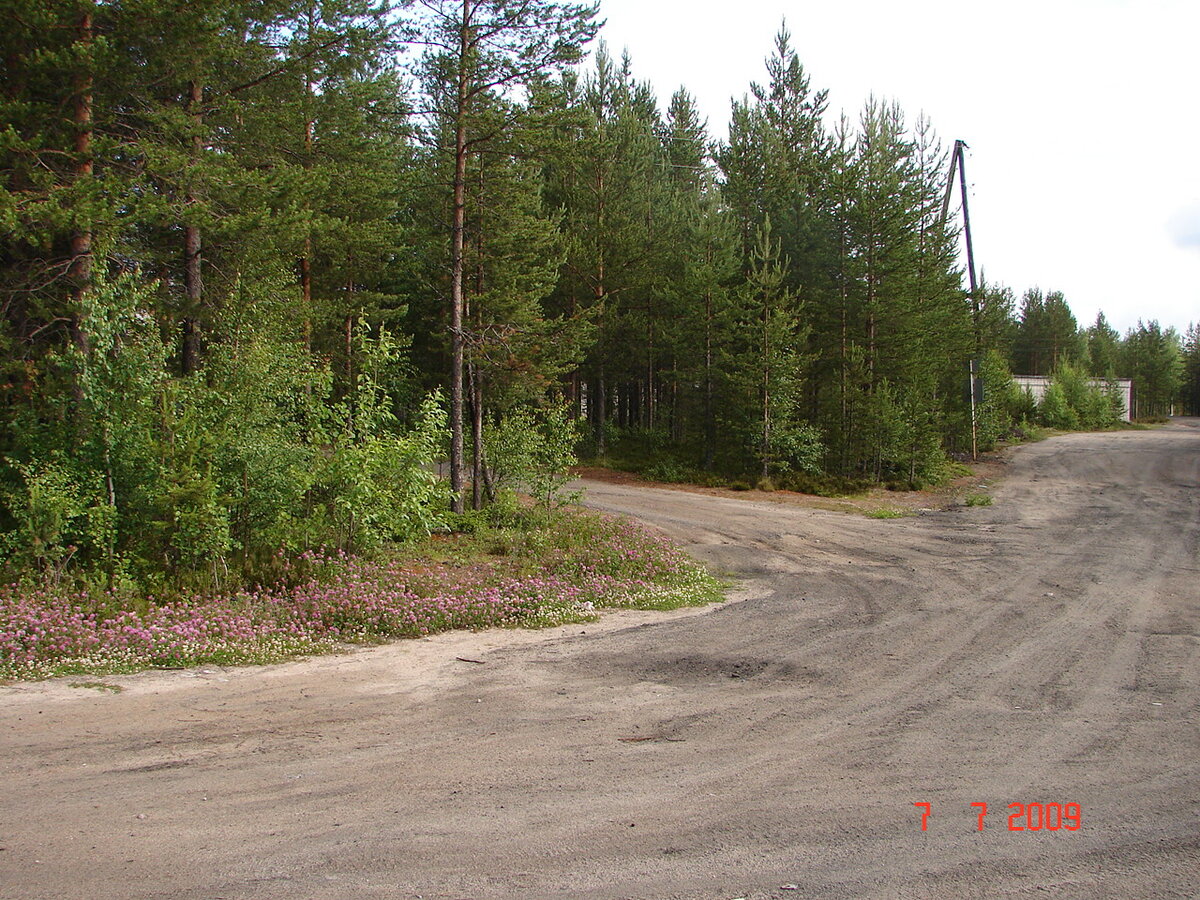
pixel 675 417
pixel 456 267
pixel 766 395
pixel 476 437
pixel 474 376
pixel 650 416
pixel 306 291
pixel 601 412
pixel 348 344
pixel 193 278
pixel 305 262
pixel 601 387
pixel 81 240
pixel 710 428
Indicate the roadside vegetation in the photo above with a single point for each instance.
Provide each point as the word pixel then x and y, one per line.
pixel 520 568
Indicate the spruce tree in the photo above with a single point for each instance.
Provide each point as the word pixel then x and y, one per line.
pixel 1103 348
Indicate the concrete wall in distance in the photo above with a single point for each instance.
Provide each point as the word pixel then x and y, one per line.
pixel 1037 384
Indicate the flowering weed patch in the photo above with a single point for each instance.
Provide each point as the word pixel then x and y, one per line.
pixel 560 572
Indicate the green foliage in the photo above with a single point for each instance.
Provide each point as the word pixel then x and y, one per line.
pixel 54 512
pixel 1153 357
pixel 670 471
pixel 1190 389
pixel 1103 349
pixel 1055 410
pixel 823 485
pixel 381 485
pixel 1074 401
pixel 534 448
pixel 1027 430
pixel 1004 403
pixel 763 362
pixel 1047 335
pixel 196 482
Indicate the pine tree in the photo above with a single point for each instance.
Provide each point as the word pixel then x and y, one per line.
pixel 776 162
pixel 1103 348
pixel 765 360
pixel 1046 334
pixel 515 353
pixel 700 261
pixel 1190 392
pixel 610 182
pixel 1153 357
pixel 480 49
pixel 53 209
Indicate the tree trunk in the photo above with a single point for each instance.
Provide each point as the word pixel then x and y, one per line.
pixel 193 278
pixel 766 399
pixel 598 293
pixel 305 262
pixel 601 412
pixel 474 376
pixel 650 398
pixel 710 426
pixel 348 338
pixel 476 438
pixel 456 267
pixel 81 239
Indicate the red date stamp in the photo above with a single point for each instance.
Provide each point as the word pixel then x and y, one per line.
pixel 1023 816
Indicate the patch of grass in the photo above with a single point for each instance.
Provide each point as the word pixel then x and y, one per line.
pixel 98 686
pixel 1028 431
pixel 978 500
pixel 887 512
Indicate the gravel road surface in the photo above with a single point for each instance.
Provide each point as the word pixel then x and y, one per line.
pixel 1043 650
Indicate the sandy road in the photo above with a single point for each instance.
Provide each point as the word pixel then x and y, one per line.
pixel 1044 649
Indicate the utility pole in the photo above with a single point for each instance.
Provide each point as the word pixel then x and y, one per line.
pixel 958 161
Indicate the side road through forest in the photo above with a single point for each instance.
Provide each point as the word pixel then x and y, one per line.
pixel 1042 651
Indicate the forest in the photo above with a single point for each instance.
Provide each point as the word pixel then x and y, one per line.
pixel 267 263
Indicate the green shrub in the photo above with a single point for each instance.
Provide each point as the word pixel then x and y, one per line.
pixel 58 511
pixel 1054 410
pixel 669 471
pixel 534 448
pixel 824 485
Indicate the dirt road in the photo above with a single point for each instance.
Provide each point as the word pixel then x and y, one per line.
pixel 1040 650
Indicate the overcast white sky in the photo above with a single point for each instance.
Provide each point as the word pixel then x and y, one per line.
pixel 1082 116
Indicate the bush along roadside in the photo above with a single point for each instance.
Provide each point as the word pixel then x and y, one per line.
pixel 539 572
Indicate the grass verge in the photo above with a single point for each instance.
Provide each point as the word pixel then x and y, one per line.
pixel 534 571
